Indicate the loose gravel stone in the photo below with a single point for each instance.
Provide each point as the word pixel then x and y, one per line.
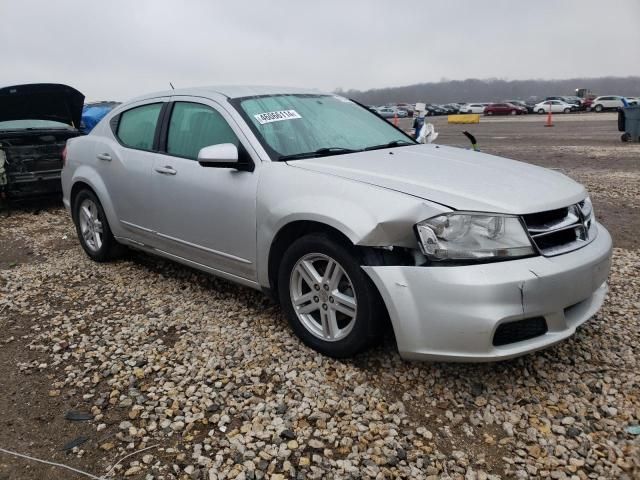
pixel 210 372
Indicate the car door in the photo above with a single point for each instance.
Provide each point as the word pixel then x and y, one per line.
pixel 125 160
pixel 206 215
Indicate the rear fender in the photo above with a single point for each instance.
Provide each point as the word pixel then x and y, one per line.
pixel 87 175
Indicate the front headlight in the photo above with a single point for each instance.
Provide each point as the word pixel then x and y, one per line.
pixel 473 236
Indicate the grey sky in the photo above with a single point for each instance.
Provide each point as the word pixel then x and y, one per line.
pixel 116 49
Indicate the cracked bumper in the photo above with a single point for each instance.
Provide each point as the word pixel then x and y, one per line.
pixel 452 313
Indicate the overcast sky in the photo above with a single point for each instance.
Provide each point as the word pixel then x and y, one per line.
pixel 116 49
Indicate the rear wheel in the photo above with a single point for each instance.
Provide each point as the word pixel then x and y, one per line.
pixel 329 301
pixel 513 112
pixel 93 229
pixel 489 112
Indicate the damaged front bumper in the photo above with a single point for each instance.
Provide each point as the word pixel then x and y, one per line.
pixel 455 313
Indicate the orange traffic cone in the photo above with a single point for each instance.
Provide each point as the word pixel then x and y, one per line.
pixel 395 119
pixel 549 122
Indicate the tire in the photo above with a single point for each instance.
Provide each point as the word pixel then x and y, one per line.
pixel 349 333
pixel 541 111
pixel 513 112
pixel 625 137
pixel 598 108
pixel 93 228
pixel 567 110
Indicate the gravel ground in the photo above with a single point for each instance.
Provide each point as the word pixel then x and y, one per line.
pixel 209 376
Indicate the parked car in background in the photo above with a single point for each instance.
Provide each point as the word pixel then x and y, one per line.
pixel 36 120
pixel 435 110
pixel 472 108
pixel 575 102
pixel 519 103
pixel 449 109
pixel 407 107
pixel 556 106
pixel 608 102
pixel 93 112
pixel 390 112
pixel 343 218
pixel 455 107
pixel 504 109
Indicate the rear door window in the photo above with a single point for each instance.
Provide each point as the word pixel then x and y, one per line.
pixel 194 126
pixel 137 126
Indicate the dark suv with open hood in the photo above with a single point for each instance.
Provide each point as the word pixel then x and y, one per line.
pixel 35 122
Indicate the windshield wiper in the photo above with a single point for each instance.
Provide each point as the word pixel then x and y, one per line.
pixel 321 152
pixel 395 143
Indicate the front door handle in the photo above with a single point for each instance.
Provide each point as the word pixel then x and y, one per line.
pixel 104 156
pixel 166 170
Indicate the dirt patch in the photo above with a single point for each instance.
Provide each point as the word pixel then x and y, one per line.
pixel 14 252
pixel 33 410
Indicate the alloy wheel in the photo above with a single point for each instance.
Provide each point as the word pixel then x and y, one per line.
pixel 90 225
pixel 323 297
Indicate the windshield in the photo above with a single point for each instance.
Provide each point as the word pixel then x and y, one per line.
pixel 32 125
pixel 311 125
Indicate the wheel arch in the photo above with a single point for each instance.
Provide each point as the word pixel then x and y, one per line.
pixel 288 234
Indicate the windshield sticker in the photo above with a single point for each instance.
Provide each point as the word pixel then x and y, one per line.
pixel 278 116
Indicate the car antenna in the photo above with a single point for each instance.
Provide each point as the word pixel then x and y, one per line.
pixel 171 85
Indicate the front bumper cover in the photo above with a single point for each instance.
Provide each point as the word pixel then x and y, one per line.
pixel 451 313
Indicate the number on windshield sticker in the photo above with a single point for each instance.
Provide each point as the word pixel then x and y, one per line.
pixel 278 116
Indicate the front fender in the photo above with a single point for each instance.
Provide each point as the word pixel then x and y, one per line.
pixel 366 214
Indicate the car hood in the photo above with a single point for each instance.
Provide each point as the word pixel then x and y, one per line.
pixel 41 101
pixel 458 178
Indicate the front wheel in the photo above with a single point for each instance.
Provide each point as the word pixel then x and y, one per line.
pixel 541 111
pixel 567 110
pixel 489 113
pixel 513 112
pixel 330 302
pixel 599 108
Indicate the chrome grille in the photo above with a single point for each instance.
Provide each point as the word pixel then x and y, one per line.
pixel 559 231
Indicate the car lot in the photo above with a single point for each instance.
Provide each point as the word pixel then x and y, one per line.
pixel 210 373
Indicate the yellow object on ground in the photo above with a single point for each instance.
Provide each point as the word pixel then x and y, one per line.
pixel 464 118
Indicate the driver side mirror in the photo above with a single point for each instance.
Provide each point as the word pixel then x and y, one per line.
pixel 223 155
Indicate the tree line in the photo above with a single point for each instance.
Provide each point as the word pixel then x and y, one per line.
pixel 493 90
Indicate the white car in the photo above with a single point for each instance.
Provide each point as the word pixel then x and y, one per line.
pixel 472 108
pixel 556 106
pixel 609 102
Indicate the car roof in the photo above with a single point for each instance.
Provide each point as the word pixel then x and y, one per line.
pixel 230 91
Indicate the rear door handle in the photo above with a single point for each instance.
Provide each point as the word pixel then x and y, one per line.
pixel 104 156
pixel 167 170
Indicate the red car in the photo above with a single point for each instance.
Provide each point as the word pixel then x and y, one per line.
pixel 504 109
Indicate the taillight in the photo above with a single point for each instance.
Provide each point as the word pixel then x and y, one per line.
pixel 64 156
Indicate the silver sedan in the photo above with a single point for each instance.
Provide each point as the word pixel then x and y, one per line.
pixel 344 219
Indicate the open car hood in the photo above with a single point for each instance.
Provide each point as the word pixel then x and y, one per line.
pixel 41 101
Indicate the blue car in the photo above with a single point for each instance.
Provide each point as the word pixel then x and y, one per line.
pixel 92 113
